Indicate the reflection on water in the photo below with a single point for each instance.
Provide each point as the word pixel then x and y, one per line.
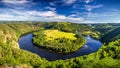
pixel 92 45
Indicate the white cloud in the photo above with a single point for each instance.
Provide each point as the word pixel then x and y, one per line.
pixel 73 15
pixel 88 1
pixel 11 14
pixel 8 17
pixel 89 21
pixel 52 3
pixel 85 1
pixel 17 15
pixel 91 7
pixel 14 1
pixel 50 8
pixel 75 19
pixel 18 4
pixel 52 16
pixel 105 14
pixel 56 17
pixel 5 16
pixel 42 13
pixel 68 2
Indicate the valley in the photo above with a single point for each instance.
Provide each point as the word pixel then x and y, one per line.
pixel 63 37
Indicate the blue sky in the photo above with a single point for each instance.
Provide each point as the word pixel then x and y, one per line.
pixel 77 11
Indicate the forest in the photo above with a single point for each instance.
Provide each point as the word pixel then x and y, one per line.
pixel 108 56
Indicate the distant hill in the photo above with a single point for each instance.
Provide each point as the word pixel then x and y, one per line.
pixel 111 36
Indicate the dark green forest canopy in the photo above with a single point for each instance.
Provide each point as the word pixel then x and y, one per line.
pixel 108 56
pixel 111 35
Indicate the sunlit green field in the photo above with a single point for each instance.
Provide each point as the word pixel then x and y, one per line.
pixel 55 34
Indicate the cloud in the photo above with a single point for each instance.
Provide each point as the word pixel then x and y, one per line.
pixel 52 3
pixel 108 13
pixel 105 14
pixel 14 1
pixel 72 15
pixel 50 8
pixel 9 17
pixel 68 2
pixel 85 1
pixel 91 7
pixel 88 1
pixel 89 21
pixel 15 15
pixel 49 16
pixel 53 16
pixel 42 13
pixel 18 4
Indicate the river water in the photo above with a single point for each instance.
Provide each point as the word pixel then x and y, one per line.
pixel 92 45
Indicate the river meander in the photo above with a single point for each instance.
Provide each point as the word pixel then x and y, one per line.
pixel 25 43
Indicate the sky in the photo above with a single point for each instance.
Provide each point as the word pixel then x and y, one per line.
pixel 76 11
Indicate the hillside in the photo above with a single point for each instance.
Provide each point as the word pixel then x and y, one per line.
pixel 112 35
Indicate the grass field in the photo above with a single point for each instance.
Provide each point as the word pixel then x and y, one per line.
pixel 55 34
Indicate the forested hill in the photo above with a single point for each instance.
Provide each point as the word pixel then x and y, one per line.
pixel 112 35
pixel 64 26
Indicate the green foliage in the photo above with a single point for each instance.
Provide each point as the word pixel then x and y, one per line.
pixel 12 56
pixel 111 50
pixel 94 35
pixel 103 28
pixel 58 42
pixel 108 37
pixel 107 57
pixel 10 53
pixel 82 29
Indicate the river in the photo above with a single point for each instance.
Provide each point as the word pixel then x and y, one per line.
pixel 25 43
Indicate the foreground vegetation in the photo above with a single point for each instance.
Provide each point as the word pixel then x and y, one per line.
pixel 108 56
pixel 58 41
